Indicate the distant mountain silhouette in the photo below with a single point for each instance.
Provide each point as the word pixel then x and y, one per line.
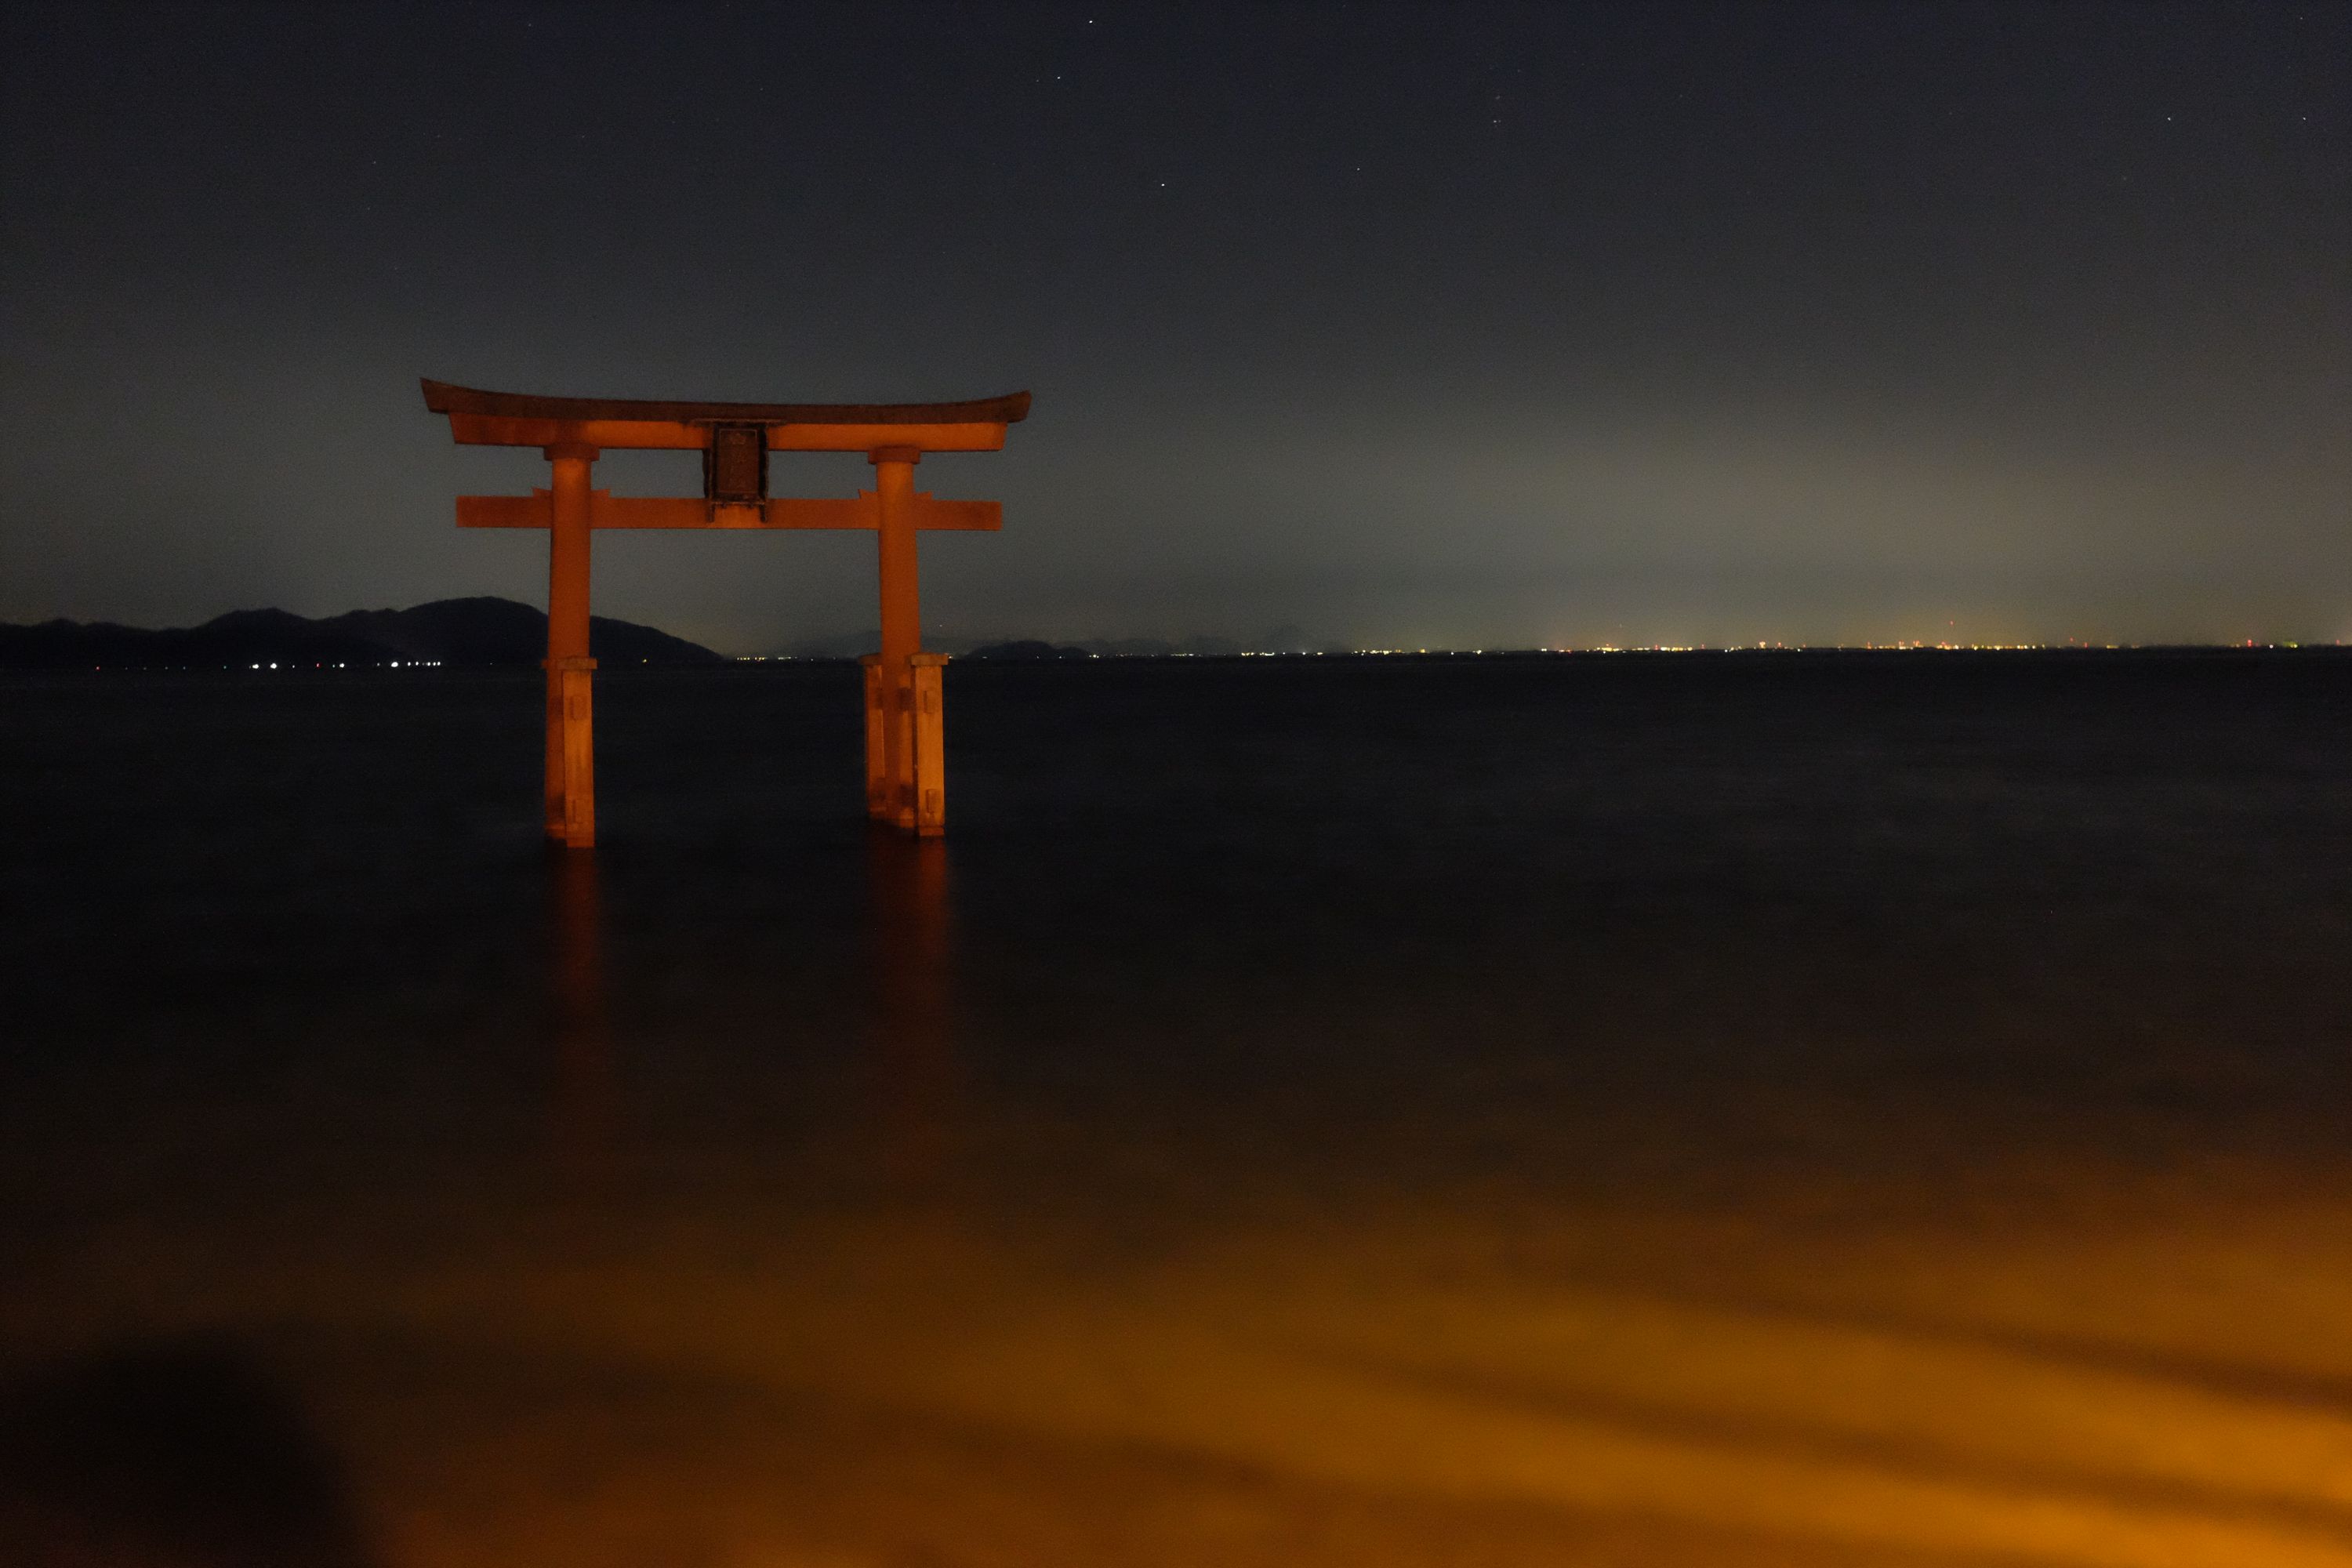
pixel 1026 647
pixel 482 631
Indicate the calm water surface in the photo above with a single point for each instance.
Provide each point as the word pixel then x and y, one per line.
pixel 1745 1109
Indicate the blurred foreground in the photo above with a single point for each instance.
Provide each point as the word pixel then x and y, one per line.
pixel 1807 1112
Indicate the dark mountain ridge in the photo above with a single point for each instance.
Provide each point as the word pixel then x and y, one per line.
pixel 477 631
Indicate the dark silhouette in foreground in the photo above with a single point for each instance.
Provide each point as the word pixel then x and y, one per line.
pixel 168 1454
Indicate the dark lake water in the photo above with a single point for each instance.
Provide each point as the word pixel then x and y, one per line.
pixel 1518 1037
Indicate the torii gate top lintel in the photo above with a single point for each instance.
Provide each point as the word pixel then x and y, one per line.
pixel 522 420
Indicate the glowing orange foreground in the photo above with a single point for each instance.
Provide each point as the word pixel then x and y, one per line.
pixel 906 780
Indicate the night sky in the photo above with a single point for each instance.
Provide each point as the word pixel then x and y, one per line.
pixel 1435 326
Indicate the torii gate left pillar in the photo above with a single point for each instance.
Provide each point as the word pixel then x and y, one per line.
pixel 570 689
pixel 905 776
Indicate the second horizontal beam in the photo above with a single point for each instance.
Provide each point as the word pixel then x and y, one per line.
pixel 606 509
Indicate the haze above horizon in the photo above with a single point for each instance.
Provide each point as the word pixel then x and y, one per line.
pixel 1404 327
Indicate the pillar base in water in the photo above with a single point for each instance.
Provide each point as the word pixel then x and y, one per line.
pixel 915 802
pixel 926 809
pixel 571 744
pixel 877 782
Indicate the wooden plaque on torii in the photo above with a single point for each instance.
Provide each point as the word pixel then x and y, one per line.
pixel 906 783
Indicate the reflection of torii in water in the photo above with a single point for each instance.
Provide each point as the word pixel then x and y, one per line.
pixel 905 782
pixel 913 1075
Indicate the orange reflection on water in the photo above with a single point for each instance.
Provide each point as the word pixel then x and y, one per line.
pixel 910 961
pixel 586 1099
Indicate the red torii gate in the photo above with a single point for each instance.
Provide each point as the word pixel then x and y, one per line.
pixel 906 783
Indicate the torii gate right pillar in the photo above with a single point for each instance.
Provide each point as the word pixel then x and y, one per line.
pixel 906 773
